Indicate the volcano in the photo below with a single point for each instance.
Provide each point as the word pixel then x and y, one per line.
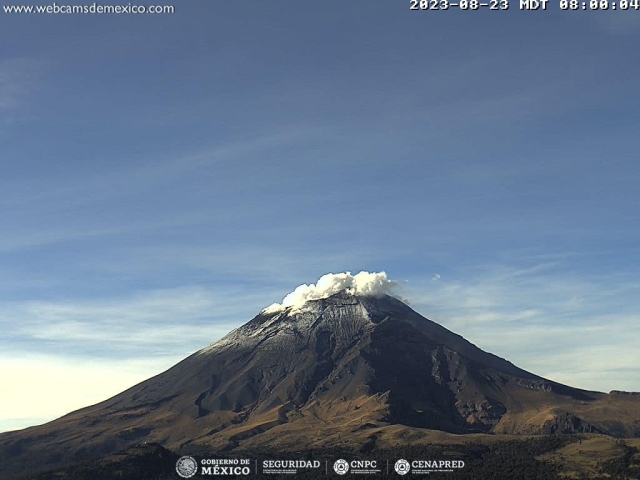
pixel 341 370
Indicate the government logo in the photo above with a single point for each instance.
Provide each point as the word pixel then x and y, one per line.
pixel 186 467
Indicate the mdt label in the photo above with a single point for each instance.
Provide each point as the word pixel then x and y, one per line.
pixel 533 4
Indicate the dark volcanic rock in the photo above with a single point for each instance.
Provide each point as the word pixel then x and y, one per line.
pixel 567 423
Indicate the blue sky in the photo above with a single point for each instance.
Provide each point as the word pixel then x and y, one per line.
pixel 163 178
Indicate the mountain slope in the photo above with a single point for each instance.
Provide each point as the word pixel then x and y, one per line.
pixel 341 370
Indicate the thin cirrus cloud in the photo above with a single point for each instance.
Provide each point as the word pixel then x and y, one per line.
pixel 580 330
pixel 15 78
pixel 175 320
pixel 621 24
pixel 141 174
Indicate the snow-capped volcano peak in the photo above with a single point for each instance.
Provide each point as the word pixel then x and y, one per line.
pixel 363 283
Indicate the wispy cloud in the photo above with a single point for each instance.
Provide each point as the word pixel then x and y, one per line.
pixel 17 83
pixel 280 266
pixel 617 23
pixel 139 175
pixel 38 211
pixel 16 77
pixel 34 237
pixel 581 330
pixel 178 321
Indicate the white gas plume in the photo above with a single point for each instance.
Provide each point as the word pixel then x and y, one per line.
pixel 363 283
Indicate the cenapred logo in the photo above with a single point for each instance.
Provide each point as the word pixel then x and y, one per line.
pixel 341 466
pixel 402 467
pixel 426 467
pixel 186 467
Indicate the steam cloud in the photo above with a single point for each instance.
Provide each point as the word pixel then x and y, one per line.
pixel 364 283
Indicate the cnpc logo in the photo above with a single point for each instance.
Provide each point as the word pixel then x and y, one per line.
pixel 341 466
